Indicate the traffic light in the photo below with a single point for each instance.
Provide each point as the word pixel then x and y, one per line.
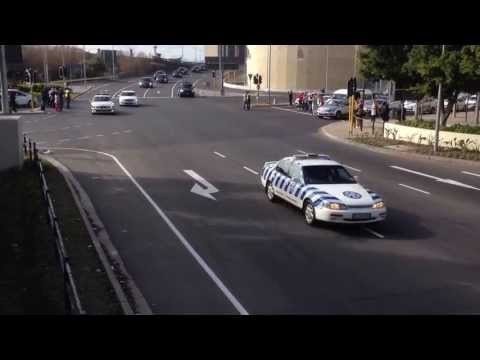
pixel 255 79
pixel 213 74
pixel 259 79
pixel 350 87
pixel 60 72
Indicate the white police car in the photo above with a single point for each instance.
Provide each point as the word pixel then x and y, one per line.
pixel 322 188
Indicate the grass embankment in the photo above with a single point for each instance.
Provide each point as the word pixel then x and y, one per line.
pixel 31 281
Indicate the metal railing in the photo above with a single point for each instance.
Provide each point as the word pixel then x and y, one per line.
pixel 72 300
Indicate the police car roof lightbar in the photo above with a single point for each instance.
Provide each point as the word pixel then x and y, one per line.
pixel 312 156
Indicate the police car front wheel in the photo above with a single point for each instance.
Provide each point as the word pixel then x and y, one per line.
pixel 309 213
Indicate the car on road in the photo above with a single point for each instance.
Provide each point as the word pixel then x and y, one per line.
pixel 128 98
pixel 427 106
pixel 333 108
pixel 21 98
pixel 186 90
pixel 323 189
pixel 161 76
pixel 102 104
pixel 146 83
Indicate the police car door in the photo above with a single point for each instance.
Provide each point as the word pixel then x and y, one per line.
pixel 296 184
pixel 282 181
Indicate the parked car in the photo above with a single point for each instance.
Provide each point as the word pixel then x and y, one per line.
pixel 426 106
pixel 21 98
pixel 472 102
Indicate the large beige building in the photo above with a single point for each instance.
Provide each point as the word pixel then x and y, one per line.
pixel 303 67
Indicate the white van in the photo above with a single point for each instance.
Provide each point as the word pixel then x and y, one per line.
pixel 342 94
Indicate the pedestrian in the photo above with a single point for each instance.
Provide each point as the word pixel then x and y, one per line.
pixel 373 113
pixel 13 102
pixel 57 101
pixel 68 97
pixel 61 95
pixel 290 97
pixel 248 101
pixel 245 103
pixel 310 102
pixel 45 98
pixel 51 97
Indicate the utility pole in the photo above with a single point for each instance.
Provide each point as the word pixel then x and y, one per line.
pixel 439 106
pixel 220 52
pixel 84 68
pixel 269 70
pixel 476 107
pixel 4 79
pixel 326 72
pixel 45 65
pixel 113 64
pixel 355 61
pixel 63 62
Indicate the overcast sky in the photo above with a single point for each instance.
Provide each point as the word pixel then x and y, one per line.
pixel 167 51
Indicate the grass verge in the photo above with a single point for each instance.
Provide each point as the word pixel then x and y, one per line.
pixel 31 281
pixel 380 141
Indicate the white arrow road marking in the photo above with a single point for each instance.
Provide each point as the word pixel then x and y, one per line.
pixel 446 181
pixel 158 91
pixel 219 283
pixel 470 173
pixel 196 189
pixel 146 92
pixel 174 85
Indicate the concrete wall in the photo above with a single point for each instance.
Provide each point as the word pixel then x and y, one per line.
pixel 426 136
pixel 303 67
pixel 11 142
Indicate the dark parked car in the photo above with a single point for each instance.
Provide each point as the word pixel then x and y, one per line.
pixel 146 82
pixel 161 76
pixel 186 90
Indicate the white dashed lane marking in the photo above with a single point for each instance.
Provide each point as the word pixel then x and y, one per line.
pixel 470 173
pixel 412 188
pixel 218 154
pixel 99 135
pixel 374 233
pixel 127 131
pixel 250 170
pixel 115 133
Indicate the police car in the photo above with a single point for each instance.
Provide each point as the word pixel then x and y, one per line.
pixel 322 188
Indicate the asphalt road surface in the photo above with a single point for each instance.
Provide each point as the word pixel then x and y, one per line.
pixel 233 252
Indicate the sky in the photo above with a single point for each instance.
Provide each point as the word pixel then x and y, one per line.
pixel 167 51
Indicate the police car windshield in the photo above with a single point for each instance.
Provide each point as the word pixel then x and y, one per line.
pixel 326 174
pixel 101 98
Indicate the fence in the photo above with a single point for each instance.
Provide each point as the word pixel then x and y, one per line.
pixel 72 300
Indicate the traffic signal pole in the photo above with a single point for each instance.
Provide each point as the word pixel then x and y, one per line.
pixel 3 76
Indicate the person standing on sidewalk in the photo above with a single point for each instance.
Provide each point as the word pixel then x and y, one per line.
pixel 13 102
pixel 45 98
pixel 61 97
pixel 373 113
pixel 245 102
pixel 57 101
pixel 290 97
pixel 68 97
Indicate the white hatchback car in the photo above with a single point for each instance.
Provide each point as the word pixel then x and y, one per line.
pixel 102 104
pixel 322 188
pixel 128 98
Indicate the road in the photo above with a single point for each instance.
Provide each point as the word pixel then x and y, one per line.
pixel 236 253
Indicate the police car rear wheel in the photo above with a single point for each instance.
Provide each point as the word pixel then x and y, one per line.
pixel 270 192
pixel 309 213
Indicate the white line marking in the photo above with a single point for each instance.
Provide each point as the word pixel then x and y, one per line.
pixel 115 93
pixel 174 85
pixel 83 137
pixel 99 135
pixel 294 111
pixel 351 168
pixel 65 128
pixel 411 187
pixel 445 181
pixel 93 88
pixel 158 97
pixel 303 152
pixel 233 300
pixel 250 170
pixel 127 131
pixel 218 154
pixel 63 140
pixel 470 173
pixel 146 91
pixel 115 133
pixel 206 191
pixel 374 233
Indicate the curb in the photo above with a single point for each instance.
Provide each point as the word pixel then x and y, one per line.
pixel 129 296
pixel 397 152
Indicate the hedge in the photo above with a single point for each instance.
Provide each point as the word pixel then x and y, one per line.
pixel 458 128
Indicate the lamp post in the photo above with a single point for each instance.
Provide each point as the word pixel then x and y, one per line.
pixel 269 70
pixel 3 76
pixel 439 104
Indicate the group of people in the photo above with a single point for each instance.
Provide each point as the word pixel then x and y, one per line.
pixel 307 102
pixel 56 97
pixel 246 101
pixel 378 108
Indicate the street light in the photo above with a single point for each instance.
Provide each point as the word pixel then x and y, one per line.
pixel 439 104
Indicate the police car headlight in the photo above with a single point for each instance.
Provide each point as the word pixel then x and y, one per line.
pixel 336 206
pixel 378 205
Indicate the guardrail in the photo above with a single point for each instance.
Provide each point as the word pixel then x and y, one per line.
pixel 72 300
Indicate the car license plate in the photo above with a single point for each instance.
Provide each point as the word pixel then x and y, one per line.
pixel 361 216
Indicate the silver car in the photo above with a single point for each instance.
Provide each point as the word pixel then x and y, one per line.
pixel 333 109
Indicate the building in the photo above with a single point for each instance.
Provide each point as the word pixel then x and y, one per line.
pixel 303 67
pixel 14 60
pixel 233 57
pixel 106 56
